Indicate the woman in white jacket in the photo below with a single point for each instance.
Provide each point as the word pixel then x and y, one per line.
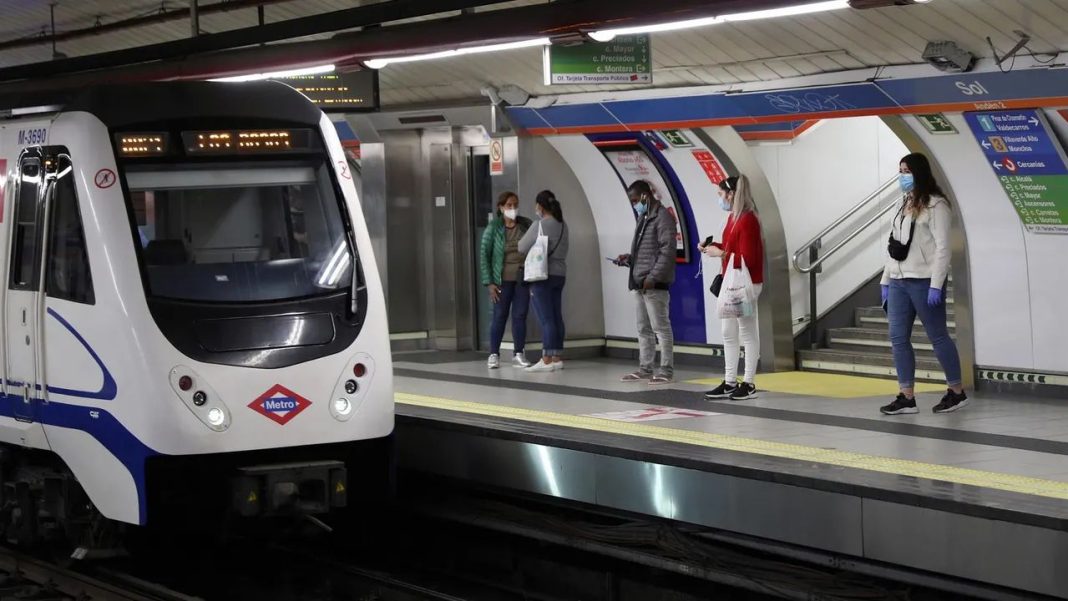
pixel 914 283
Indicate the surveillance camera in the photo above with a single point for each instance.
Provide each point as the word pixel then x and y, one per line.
pixel 948 56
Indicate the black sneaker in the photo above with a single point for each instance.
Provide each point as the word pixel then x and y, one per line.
pixel 722 391
pixel 900 406
pixel 951 402
pixel 743 391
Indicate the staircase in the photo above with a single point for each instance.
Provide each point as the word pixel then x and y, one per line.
pixel 865 350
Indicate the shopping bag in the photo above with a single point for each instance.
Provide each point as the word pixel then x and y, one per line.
pixel 737 297
pixel 536 266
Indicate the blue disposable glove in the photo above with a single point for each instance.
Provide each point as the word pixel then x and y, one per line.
pixel 885 295
pixel 934 297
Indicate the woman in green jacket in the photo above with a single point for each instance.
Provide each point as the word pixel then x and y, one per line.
pixel 502 273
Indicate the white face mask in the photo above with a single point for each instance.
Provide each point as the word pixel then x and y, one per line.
pixel 511 214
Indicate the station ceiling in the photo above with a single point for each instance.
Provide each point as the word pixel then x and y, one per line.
pixel 720 54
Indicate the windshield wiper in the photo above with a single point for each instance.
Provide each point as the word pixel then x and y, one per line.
pixel 355 303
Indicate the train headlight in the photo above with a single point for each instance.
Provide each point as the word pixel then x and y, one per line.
pixel 200 398
pixel 352 387
pixel 216 417
pixel 342 406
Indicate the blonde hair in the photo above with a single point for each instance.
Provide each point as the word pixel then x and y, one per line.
pixel 743 198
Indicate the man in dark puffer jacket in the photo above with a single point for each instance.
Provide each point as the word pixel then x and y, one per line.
pixel 652 271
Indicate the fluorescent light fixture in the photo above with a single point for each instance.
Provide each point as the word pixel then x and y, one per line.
pixel 279 74
pixel 378 63
pixel 607 35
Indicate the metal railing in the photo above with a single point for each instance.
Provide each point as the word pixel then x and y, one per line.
pixel 811 249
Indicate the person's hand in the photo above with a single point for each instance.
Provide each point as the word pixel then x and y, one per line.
pixel 495 293
pixel 934 297
pixel 649 284
pixel 713 251
pixel 885 294
pixel 623 260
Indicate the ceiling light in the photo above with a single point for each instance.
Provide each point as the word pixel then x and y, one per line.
pixel 607 35
pixel 378 63
pixel 280 74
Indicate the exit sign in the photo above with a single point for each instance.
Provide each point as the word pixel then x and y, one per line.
pixel 676 138
pixel 937 123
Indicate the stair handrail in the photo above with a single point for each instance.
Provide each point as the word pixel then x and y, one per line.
pixel 815 260
pixel 817 241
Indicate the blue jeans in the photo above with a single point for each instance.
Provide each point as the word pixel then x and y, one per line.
pixel 907 299
pixel 548 304
pixel 515 298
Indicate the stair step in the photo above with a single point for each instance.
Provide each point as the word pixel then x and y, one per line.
pixel 876 311
pixel 877 315
pixel 872 340
pixel 866 364
pixel 883 324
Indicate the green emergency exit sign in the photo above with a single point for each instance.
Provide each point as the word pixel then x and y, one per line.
pixel 937 123
pixel 676 138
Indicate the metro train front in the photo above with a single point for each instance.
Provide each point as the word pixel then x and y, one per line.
pixel 193 314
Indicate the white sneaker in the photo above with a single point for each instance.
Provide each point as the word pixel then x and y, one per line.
pixel 541 367
pixel 520 360
pixel 493 362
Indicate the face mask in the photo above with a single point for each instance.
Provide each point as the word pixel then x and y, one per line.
pixel 511 214
pixel 906 181
pixel 641 208
pixel 724 203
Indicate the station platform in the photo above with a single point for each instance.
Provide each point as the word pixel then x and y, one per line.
pixel 975 501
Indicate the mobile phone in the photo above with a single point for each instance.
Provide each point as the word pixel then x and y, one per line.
pixel 708 240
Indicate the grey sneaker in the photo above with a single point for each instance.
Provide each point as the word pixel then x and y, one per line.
pixel 637 376
pixel 662 376
pixel 493 362
pixel 520 360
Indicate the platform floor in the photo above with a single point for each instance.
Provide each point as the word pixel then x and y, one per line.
pixel 999 462
pixel 994 442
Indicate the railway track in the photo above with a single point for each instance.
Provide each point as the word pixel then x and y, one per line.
pixel 24 577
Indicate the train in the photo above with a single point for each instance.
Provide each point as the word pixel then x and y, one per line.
pixel 192 315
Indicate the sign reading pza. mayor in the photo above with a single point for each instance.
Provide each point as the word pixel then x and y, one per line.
pixel 626 59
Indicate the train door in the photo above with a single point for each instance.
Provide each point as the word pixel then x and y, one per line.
pixel 23 282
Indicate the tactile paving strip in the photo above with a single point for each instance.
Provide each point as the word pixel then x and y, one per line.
pixel 888 465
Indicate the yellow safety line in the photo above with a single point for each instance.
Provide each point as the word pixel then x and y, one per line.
pixel 887 465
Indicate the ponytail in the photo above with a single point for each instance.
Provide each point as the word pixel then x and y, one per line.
pixel 547 201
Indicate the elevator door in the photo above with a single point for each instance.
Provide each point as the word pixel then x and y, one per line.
pixel 483 205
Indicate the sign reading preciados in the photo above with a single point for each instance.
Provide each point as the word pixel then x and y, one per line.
pixel 626 59
pixel 1030 164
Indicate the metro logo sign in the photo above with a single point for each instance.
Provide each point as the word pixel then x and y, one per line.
pixel 279 404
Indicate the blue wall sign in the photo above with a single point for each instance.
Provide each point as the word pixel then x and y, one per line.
pixel 1030 164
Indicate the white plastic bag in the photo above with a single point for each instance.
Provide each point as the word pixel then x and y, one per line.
pixel 536 267
pixel 737 298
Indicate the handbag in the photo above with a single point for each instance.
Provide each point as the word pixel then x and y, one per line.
pixel 738 297
pixel 717 284
pixel 536 265
pixel 897 250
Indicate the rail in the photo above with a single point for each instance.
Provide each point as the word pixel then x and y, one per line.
pixel 811 249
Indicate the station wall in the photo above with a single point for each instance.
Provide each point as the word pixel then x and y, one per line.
pixel 541 167
pixel 1017 279
pixel 817 178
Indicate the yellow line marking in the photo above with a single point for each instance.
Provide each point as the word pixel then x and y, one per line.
pixel 827 385
pixel 886 465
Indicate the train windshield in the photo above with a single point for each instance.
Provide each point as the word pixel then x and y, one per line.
pixel 232 232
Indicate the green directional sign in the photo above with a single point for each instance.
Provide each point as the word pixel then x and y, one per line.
pixel 676 138
pixel 937 123
pixel 626 59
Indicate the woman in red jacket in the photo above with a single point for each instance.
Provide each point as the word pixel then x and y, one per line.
pixel 741 238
